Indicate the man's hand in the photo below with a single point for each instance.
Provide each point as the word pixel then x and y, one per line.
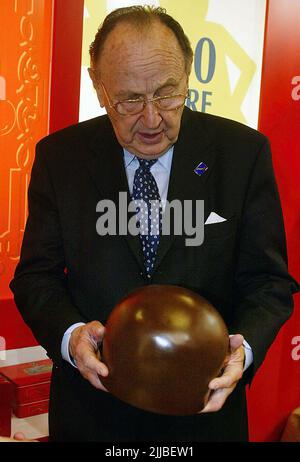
pixel 18 437
pixel 224 385
pixel 84 348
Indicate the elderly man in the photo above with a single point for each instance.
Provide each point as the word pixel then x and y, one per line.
pixel 69 277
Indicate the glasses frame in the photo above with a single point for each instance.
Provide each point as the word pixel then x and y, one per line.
pixel 144 101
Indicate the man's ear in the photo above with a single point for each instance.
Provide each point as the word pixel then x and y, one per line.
pixel 98 88
pixel 187 80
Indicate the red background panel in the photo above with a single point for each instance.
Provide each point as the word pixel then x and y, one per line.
pixel 66 63
pixel 25 42
pixel 25 56
pixel 276 388
pixel 13 329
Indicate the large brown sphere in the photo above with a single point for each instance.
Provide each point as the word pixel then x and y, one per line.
pixel 162 345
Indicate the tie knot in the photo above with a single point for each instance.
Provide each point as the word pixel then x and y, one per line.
pixel 146 164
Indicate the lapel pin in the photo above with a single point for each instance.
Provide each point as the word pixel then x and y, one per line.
pixel 201 168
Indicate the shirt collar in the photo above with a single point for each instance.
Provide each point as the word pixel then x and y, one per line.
pixel 164 161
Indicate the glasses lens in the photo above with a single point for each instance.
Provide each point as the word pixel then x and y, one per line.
pixel 165 104
pixel 130 107
pixel 172 102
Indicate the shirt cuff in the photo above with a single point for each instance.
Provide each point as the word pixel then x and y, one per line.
pixel 65 343
pixel 248 355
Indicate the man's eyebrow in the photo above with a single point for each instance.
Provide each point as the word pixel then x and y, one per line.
pixel 127 94
pixel 170 82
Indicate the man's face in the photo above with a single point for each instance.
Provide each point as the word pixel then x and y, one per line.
pixel 144 64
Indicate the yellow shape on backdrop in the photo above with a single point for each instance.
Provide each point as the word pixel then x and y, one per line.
pixel 213 44
pixel 95 12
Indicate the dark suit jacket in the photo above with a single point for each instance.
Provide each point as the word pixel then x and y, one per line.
pixel 68 273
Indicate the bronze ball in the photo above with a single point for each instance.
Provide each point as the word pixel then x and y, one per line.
pixel 163 344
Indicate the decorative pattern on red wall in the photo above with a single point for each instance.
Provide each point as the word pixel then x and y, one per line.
pixel 25 38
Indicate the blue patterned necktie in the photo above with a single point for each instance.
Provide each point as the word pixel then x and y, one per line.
pixel 149 217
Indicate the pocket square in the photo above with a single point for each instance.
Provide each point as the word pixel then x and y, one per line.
pixel 214 218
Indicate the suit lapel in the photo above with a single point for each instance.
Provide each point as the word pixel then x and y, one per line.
pixel 105 163
pixel 106 168
pixel 192 147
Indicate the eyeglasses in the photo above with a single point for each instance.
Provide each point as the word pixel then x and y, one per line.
pixel 135 106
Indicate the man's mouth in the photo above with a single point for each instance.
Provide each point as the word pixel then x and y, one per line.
pixel 150 138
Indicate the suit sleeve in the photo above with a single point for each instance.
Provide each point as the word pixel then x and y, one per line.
pixel 263 288
pixel 40 283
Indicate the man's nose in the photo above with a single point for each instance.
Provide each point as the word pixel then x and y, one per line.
pixel 151 115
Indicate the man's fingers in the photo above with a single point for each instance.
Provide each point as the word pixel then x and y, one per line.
pixel 224 385
pixel 95 381
pixel 86 339
pixel 96 330
pixel 84 348
pixel 231 375
pixel 235 341
pixel 19 436
pixel 93 333
pixel 90 334
pixel 92 370
pixel 91 362
pixel 224 382
pixel 216 400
